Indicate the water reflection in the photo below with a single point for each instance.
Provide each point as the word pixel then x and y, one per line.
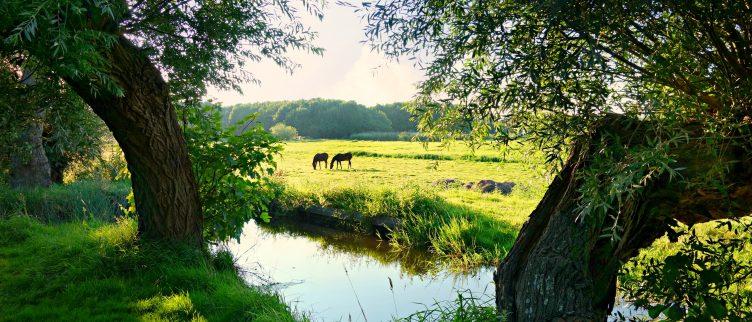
pixel 330 275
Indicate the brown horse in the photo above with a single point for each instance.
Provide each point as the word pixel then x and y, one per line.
pixel 339 157
pixel 320 157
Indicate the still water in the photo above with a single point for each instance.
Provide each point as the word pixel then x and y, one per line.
pixel 329 275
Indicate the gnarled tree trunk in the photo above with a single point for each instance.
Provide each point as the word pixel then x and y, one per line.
pixel 560 268
pixel 144 123
pixel 32 169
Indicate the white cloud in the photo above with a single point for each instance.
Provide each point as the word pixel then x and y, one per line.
pixel 348 70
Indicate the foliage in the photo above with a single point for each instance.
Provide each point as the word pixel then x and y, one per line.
pixel 72 133
pixel 231 171
pixel 284 132
pixel 81 200
pixel 98 271
pixel 705 278
pixel 399 116
pixel 194 45
pixel 551 72
pixel 316 118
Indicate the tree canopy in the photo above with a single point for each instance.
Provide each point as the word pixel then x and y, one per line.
pixel 326 118
pixel 649 97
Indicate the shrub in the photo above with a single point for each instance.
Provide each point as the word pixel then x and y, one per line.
pixel 284 132
pixel 231 171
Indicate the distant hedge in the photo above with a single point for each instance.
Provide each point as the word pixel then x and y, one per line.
pixel 324 118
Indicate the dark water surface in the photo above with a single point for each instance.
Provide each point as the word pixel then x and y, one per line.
pixel 329 275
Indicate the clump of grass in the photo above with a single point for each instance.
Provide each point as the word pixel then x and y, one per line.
pixel 76 201
pixel 101 271
pixel 465 307
pixel 463 236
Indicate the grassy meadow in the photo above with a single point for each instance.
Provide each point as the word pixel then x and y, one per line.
pixel 96 270
pixel 397 179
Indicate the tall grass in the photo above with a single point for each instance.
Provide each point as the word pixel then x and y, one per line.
pixel 466 307
pixel 464 237
pixel 97 271
pixel 82 199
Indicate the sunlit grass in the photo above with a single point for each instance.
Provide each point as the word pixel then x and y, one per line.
pixel 94 271
pixel 464 226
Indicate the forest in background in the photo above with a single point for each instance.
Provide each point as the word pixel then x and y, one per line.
pixel 326 118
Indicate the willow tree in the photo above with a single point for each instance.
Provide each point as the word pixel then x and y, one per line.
pixel 650 100
pixel 131 59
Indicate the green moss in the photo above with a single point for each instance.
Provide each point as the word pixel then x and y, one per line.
pixel 96 271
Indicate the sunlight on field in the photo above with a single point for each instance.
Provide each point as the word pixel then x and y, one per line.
pixel 523 167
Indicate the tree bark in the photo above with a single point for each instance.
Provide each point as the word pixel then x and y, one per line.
pixel 560 268
pixel 32 169
pixel 144 123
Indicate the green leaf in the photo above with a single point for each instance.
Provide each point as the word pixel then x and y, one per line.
pixel 655 311
pixel 716 307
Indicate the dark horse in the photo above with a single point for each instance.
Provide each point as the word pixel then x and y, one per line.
pixel 339 157
pixel 320 157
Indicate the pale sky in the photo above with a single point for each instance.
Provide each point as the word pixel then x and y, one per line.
pixel 348 69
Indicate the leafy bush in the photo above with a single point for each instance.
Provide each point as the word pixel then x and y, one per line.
pixel 706 276
pixel 231 171
pixel 284 132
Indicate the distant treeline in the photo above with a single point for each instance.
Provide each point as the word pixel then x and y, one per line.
pixel 325 118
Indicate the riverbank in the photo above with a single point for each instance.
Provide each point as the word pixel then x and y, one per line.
pixel 91 270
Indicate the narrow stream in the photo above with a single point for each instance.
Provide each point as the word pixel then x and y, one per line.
pixel 329 275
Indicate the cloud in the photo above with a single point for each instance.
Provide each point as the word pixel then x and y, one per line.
pixel 374 79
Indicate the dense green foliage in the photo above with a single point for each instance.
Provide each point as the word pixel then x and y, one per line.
pixel 95 271
pixel 232 170
pixel 553 71
pixel 72 133
pixel 323 118
pixel 193 44
pixel 284 132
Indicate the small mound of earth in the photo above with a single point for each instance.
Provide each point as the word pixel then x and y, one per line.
pixel 484 186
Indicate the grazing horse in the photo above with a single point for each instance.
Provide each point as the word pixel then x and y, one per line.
pixel 339 157
pixel 320 157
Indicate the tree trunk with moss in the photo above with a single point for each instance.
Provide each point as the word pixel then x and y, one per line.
pixel 562 268
pixel 29 168
pixel 144 123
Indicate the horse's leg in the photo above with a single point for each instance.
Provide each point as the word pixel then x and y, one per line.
pixel 349 164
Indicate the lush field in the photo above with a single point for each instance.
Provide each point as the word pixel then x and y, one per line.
pixel 100 271
pixel 397 178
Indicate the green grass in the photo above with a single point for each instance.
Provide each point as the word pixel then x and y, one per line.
pixel 396 179
pixel 75 201
pixel 100 271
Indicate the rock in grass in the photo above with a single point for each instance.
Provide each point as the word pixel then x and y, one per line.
pixel 488 186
